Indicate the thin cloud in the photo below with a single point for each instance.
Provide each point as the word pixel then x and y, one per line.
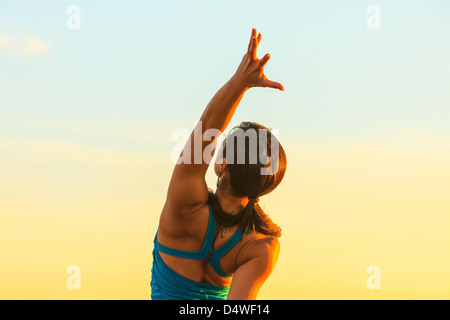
pixel 36 47
pixel 23 46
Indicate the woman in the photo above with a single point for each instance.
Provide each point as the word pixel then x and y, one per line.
pixel 221 245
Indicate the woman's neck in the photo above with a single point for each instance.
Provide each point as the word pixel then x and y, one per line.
pixel 229 202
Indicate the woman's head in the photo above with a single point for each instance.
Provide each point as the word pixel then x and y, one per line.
pixel 253 162
pixel 254 159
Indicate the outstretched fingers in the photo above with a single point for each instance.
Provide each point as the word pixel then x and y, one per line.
pixel 254 42
pixel 252 46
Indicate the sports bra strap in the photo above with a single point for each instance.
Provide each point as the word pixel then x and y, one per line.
pixel 217 254
pixel 206 252
pixel 198 255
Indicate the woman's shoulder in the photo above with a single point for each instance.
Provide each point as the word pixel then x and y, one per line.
pixel 260 240
pixel 258 246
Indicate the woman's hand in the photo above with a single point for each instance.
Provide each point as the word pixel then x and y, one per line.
pixel 250 71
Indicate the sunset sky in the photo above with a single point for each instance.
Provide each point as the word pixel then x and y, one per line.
pixel 87 115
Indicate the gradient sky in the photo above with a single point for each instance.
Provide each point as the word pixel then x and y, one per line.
pixel 86 118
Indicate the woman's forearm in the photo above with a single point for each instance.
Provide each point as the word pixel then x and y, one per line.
pixel 221 108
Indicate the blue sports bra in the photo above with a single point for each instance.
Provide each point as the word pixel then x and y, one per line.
pixel 167 284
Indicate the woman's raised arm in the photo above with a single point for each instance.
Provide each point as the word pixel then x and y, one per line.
pixel 187 189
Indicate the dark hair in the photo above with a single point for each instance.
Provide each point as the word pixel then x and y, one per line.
pixel 247 179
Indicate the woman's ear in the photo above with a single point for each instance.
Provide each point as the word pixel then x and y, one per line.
pixel 220 167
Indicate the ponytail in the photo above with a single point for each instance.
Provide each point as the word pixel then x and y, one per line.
pixel 251 218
